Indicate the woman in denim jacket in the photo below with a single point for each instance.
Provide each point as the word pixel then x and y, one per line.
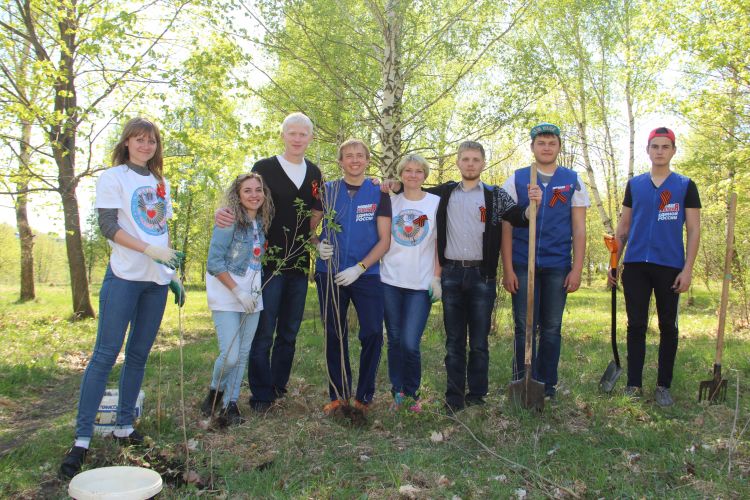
pixel 233 288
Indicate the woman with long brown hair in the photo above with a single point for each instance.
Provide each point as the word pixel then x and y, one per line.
pixel 133 203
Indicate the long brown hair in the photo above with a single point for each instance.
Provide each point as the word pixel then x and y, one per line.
pixel 135 128
pixel 232 202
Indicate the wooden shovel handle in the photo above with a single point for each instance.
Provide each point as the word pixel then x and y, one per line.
pixel 530 275
pixel 727 277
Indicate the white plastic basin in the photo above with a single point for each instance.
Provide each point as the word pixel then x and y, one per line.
pixel 115 482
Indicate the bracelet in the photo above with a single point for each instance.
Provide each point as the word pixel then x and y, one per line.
pixel 360 264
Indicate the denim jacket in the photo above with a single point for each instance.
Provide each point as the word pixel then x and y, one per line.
pixel 231 249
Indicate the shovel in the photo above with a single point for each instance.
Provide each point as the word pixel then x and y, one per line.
pixel 614 370
pixel 527 392
pixel 715 390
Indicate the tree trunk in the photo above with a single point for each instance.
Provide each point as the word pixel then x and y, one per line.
pixel 393 90
pixel 582 125
pixel 25 234
pixel 186 237
pixel 62 135
pixel 79 285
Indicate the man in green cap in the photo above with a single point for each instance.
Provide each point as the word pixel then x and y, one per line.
pixel 560 228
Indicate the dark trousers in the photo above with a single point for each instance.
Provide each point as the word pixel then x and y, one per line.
pixel 367 296
pixel 549 305
pixel 468 298
pixel 283 308
pixel 638 281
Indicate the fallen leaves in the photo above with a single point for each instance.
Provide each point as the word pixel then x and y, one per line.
pixel 409 491
pixel 437 437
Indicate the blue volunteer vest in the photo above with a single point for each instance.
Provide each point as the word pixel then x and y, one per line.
pixel 658 215
pixel 554 231
pixel 356 219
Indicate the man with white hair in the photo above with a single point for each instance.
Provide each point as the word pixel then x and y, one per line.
pixel 290 177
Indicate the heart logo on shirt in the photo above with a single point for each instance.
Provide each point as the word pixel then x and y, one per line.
pixel 408 229
pixel 151 213
pixel 256 251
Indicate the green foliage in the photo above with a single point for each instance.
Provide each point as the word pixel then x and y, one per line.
pixel 339 72
pixel 50 264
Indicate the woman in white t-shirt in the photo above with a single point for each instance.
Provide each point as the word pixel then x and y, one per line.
pixel 410 273
pixel 233 287
pixel 133 204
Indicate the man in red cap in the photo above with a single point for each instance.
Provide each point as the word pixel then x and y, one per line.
pixel 657 205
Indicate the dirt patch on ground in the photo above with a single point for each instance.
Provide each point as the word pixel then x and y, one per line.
pixel 23 417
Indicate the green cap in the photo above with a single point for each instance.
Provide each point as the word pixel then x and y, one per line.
pixel 545 128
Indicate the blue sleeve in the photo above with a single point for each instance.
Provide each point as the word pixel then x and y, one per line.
pixel 218 248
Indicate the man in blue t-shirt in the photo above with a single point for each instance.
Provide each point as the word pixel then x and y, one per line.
pixel 560 231
pixel 657 205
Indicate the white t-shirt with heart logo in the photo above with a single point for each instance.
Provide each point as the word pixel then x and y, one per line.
pixel 142 213
pixel 410 261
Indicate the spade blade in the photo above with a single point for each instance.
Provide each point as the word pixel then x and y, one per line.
pixel 609 379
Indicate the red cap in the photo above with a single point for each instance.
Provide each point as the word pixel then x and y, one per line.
pixel 661 132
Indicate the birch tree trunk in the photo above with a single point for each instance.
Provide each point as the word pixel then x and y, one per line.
pixel 390 119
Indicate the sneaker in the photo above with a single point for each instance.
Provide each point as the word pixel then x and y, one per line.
pixel 474 400
pixel 663 397
pixel 334 405
pixel 633 392
pixel 232 414
pixel 398 400
pixel 416 407
pixel 208 407
pixel 363 407
pixel 135 438
pixel 73 461
pixel 260 406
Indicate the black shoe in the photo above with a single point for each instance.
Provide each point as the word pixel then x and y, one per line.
pixel 207 406
pixel 451 408
pixel 260 406
pixel 135 438
pixel 279 392
pixel 474 400
pixel 231 414
pixel 73 461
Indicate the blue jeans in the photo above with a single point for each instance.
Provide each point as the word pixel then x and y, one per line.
pixel 549 304
pixel 122 303
pixel 468 299
pixel 235 332
pixel 367 296
pixel 283 307
pixel 406 313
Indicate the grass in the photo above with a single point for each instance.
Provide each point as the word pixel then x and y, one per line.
pixel 587 444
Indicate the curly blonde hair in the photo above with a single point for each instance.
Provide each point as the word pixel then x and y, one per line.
pixel 233 203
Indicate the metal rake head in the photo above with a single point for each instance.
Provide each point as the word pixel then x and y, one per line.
pixel 714 391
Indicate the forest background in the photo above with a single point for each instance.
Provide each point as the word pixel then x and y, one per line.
pixel 407 77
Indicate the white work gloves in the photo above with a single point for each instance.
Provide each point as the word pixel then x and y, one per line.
pixel 164 255
pixel 246 299
pixel 325 249
pixel 349 275
pixel 436 290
